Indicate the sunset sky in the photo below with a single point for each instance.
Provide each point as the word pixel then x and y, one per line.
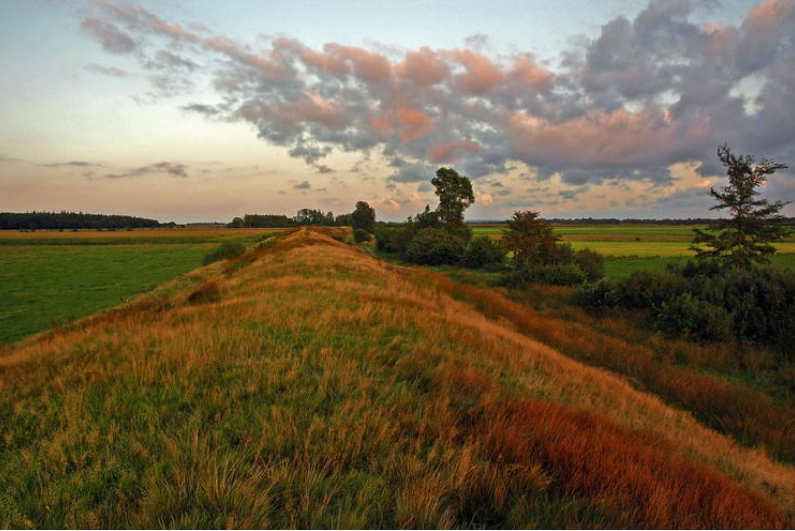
pixel 203 110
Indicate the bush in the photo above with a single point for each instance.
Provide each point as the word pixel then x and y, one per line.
pixel 557 274
pixel 224 251
pixel 684 314
pixel 481 252
pixel 434 247
pixel 461 231
pixel 600 295
pixel 394 240
pixel 208 292
pixel 361 235
pixel 565 253
pixel 649 290
pixel 591 263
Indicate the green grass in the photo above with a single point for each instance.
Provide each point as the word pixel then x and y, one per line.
pixel 44 285
pixel 619 267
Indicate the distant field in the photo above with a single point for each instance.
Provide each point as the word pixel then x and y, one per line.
pixel 45 285
pixel 51 277
pixel 631 248
pixel 138 236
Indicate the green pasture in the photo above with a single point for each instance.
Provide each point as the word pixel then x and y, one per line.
pixel 43 285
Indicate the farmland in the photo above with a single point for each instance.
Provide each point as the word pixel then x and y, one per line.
pixel 324 387
pixel 630 248
pixel 50 277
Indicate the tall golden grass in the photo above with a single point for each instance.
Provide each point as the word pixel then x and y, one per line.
pixel 329 389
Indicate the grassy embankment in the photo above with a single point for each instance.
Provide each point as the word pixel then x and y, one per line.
pixel 630 248
pixel 51 277
pixel 328 388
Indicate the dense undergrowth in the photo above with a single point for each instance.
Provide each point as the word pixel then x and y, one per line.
pixel 321 387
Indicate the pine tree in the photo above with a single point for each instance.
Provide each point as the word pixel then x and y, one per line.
pixel 746 236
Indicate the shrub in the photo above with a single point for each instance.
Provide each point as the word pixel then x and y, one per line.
pixel 591 263
pixel 599 295
pixel 481 252
pixel 685 314
pixel 224 251
pixel 565 253
pixel 557 274
pixel 394 240
pixel 461 231
pixel 648 290
pixel 434 247
pixel 361 235
pixel 206 293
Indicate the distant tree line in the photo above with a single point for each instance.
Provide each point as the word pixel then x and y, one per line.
pixel 71 220
pixel 363 217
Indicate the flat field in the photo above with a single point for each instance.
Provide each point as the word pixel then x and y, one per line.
pixel 630 248
pixel 50 277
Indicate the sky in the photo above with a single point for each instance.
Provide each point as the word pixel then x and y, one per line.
pixel 204 110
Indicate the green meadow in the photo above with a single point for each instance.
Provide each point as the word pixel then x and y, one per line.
pixel 43 285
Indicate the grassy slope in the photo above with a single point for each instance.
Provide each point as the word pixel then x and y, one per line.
pixel 328 388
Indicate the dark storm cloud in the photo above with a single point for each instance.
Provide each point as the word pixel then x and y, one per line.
pixel 643 94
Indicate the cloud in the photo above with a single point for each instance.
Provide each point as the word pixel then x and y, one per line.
pixel 176 170
pixel 106 70
pixel 322 168
pixel 642 95
pixel 74 164
pixel 303 185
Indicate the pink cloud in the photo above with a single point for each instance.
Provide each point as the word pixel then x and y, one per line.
pixel 370 66
pixel 481 74
pixel 449 151
pixel 423 68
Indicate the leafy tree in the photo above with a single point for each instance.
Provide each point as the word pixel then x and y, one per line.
pixel 363 217
pixel 530 239
pixel 237 223
pixel 308 216
pixel 455 196
pixel 344 220
pixel 428 219
pixel 745 237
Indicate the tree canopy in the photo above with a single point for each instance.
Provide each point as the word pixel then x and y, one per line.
pixel 746 236
pixel 530 239
pixel 455 195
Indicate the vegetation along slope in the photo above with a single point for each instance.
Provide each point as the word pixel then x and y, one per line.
pixel 308 384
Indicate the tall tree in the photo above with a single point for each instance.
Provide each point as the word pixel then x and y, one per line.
pixel 455 196
pixel 746 236
pixel 530 239
pixel 363 217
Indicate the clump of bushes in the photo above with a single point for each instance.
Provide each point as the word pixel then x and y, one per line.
pixel 224 251
pixel 555 273
pixel 481 252
pixel 561 266
pixel 434 247
pixel 394 240
pixel 206 293
pixel 707 301
pixel 361 235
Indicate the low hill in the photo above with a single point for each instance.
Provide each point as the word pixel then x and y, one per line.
pixel 308 384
